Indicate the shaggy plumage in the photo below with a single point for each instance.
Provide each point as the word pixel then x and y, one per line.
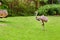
pixel 3 13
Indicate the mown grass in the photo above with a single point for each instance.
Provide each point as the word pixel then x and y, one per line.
pixel 28 28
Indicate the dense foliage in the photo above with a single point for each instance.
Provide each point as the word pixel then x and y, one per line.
pixel 18 8
pixel 53 9
pixel 26 8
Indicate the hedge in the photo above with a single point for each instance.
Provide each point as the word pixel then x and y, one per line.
pixel 53 9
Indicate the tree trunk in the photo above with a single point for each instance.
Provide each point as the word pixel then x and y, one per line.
pixel 52 1
pixel 37 4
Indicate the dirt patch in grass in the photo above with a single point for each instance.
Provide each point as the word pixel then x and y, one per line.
pixel 3 25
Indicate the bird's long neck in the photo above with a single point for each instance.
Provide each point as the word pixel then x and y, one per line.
pixel 36 13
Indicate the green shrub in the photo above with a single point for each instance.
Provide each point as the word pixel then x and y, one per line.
pixel 25 10
pixel 18 9
pixel 49 10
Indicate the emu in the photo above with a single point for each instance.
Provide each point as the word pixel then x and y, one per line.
pixel 3 13
pixel 41 18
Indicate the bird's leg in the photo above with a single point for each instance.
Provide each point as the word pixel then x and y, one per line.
pixel 43 28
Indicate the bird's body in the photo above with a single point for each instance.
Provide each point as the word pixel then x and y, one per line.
pixel 43 18
pixel 3 13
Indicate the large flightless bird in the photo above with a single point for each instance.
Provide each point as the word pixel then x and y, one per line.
pixel 41 18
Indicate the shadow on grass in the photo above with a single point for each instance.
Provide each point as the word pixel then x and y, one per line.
pixel 5 22
pixel 19 16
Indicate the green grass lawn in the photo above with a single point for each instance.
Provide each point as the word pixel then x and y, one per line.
pixel 28 28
